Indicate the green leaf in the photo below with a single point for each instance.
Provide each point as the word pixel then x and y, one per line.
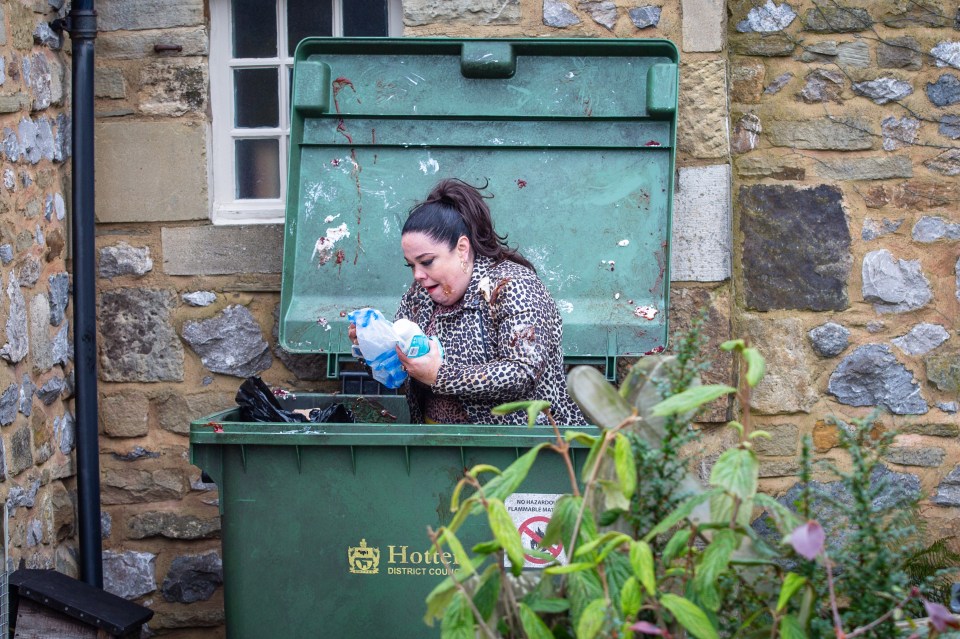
pixel 593 458
pixel 571 567
pixel 785 519
pixel 487 547
pixel 676 545
pixel 791 584
pixel 583 438
pixel 689 616
pixel 732 345
pixel 791 628
pixel 601 403
pixel 681 512
pixel 562 521
pixel 448 537
pixel 613 497
pixel 757 434
pixel 737 426
pixel 713 563
pixel 488 592
pixel 610 536
pixel 625 464
pixel 592 619
pixel 505 484
pixel 457 619
pixel 550 605
pixel 630 597
pixel 582 588
pixel 641 559
pixel 691 399
pixel 609 517
pixel 506 533
pixel 483 468
pixel 533 626
pixel 439 599
pixel 526 404
pixel 756 367
pixel 455 498
pixel 737 471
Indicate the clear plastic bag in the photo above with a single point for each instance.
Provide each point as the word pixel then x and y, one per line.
pixel 378 341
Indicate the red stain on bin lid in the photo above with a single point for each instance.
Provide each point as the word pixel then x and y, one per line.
pixel 521 184
pixel 652 143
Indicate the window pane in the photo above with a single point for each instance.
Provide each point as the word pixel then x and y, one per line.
pixel 365 17
pixel 258 169
pixel 257 101
pixel 254 29
pixel 307 18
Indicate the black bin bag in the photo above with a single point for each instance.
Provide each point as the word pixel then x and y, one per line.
pixel 258 404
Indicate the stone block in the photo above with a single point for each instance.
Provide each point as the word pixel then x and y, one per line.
pixel 778 83
pixel 138 342
pixel 645 17
pixel 768 18
pixel 910 14
pixel 921 339
pixel 943 370
pixel 925 194
pixel 746 80
pixel 58 515
pixel 134 485
pixel 899 53
pixel 133 15
pixel 175 411
pixel 222 250
pixel 946 54
pixel 829 340
pixel 603 12
pixel 172 526
pixel 892 285
pixel 478 12
pixel 826 18
pixel 948 492
pixel 949 430
pixel 702 242
pixel 173 87
pixel 702 126
pixel 779 468
pixel 129 574
pixel 796 248
pixel 193 578
pixel 21 451
pixel 125 414
pixel 785 167
pixel 43 443
pixel 559 15
pixel 746 134
pixel 946 163
pixel 165 159
pixel 945 91
pixel 187 617
pixel 108 82
pixel 883 90
pixel 823 134
pixel 123 259
pixel 928 457
pixel 899 132
pixel 865 168
pixel 137 45
pixel 230 343
pixel 704 25
pixel 784 440
pixel 872 376
pixel 763 44
pixel 787 386
pixel 823 85
pixel 825 436
pixel 18 340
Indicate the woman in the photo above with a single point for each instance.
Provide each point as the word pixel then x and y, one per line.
pixel 499 327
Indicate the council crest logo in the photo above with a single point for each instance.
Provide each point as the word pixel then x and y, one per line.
pixel 363 559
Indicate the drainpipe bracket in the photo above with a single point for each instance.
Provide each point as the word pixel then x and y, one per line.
pixel 80 24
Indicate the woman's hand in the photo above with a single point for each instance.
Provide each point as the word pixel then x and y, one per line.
pixel 424 368
pixel 352 334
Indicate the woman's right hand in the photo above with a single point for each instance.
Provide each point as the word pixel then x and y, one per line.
pixel 352 334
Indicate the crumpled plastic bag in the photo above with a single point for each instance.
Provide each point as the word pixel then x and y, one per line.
pixel 378 341
pixel 258 404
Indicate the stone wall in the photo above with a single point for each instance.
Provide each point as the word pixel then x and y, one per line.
pixel 37 472
pixel 830 132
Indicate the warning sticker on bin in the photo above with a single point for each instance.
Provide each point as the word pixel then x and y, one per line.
pixel 531 514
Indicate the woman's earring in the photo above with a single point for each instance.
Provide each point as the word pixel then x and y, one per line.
pixel 463 266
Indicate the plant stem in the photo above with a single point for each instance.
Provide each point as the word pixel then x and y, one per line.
pixel 563 448
pixel 856 632
pixel 837 622
pixel 466 594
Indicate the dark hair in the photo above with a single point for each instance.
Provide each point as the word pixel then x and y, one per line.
pixel 454 208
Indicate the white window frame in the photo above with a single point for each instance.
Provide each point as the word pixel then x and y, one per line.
pixel 225 208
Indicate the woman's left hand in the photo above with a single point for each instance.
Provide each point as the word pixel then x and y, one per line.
pixel 424 368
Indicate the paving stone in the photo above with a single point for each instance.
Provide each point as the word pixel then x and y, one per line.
pixel 172 526
pixel 899 53
pixel 922 339
pixel 829 340
pixel 943 370
pixel 138 342
pixel 559 14
pixel 787 386
pixel 123 259
pixel 130 574
pixel 837 19
pixel 193 578
pixel 796 247
pixel 929 457
pixel 872 376
pixel 883 90
pixel 892 285
pixel 899 132
pixel 874 229
pixel 642 17
pixel 230 343
pixel 822 134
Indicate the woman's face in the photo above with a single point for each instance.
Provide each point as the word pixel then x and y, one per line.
pixel 437 268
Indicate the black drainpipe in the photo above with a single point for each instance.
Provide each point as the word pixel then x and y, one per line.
pixel 81 23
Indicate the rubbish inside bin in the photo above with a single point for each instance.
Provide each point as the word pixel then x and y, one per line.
pixel 259 404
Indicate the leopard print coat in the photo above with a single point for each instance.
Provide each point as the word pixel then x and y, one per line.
pixel 502 344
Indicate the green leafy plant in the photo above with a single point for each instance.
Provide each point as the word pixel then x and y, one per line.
pixel 700 570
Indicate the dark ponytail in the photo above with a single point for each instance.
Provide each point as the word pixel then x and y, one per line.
pixel 454 208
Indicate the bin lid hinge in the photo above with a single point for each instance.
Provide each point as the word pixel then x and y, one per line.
pixel 610 361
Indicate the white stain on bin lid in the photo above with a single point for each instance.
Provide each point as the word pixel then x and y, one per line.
pixel 330 218
pixel 623 243
pixel 565 306
pixel 323 249
pixel 645 312
pixel 428 166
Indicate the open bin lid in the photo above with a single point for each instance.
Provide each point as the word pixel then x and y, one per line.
pixel 575 138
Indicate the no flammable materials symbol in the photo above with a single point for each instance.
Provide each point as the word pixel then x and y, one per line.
pixel 363 559
pixel 531 534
